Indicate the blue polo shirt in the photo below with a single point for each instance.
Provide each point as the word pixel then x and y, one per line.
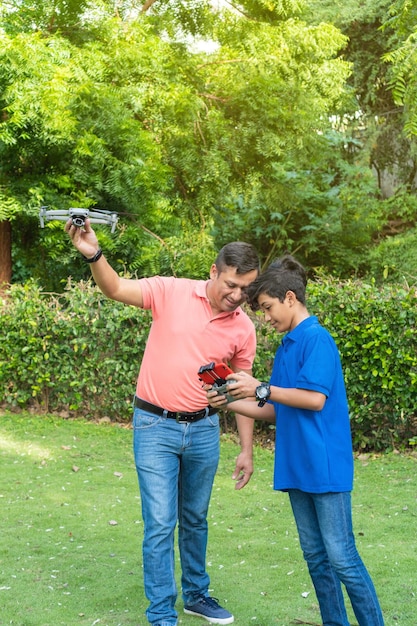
pixel 313 449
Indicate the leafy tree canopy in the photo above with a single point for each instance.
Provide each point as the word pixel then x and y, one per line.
pixel 191 148
pixel 251 134
pixel 403 60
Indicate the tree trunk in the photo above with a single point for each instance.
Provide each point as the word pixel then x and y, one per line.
pixel 5 253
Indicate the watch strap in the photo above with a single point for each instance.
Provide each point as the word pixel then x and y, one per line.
pixel 94 258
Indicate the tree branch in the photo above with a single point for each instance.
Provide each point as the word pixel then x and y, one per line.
pixel 147 5
pixel 210 96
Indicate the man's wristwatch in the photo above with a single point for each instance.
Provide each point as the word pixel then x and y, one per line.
pixel 262 393
pixel 94 258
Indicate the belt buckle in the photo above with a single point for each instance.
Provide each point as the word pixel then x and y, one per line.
pixel 180 419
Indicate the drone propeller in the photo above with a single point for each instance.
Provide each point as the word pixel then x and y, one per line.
pixel 78 216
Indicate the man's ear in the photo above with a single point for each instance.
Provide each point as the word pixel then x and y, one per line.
pixel 214 272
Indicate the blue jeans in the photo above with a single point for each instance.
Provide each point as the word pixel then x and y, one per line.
pixel 176 464
pixel 324 523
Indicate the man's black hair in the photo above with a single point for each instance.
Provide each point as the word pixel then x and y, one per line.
pixel 285 274
pixel 240 255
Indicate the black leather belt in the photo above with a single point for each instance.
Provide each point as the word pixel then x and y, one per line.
pixel 174 415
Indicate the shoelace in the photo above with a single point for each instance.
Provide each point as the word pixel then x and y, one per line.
pixel 213 602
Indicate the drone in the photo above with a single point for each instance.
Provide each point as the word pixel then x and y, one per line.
pixel 78 216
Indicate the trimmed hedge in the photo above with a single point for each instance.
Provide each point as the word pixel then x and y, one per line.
pixel 78 353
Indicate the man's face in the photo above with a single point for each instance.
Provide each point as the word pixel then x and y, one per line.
pixel 227 289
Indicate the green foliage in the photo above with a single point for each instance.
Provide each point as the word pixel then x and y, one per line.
pixel 350 222
pixel 182 17
pixel 122 114
pixel 360 21
pixel 392 257
pixel 80 352
pixel 9 207
pixel 395 259
pixel 281 82
pixel 381 48
pixel 403 81
pixel 254 137
pixel 402 59
pixel 49 15
pixel 269 11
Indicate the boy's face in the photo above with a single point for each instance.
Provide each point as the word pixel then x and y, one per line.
pixel 279 314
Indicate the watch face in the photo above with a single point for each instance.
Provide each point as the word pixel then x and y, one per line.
pixel 262 392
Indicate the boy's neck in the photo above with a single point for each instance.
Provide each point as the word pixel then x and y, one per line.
pixel 300 315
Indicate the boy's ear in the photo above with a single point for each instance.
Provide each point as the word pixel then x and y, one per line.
pixel 291 297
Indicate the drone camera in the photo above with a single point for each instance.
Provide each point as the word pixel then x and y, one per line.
pixel 78 216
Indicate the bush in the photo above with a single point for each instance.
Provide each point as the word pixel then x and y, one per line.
pixel 395 258
pixel 76 351
pixel 80 352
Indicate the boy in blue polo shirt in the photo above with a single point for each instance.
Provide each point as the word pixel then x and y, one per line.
pixel 306 398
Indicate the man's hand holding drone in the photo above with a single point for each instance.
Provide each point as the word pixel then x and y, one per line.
pixel 84 239
pixel 78 226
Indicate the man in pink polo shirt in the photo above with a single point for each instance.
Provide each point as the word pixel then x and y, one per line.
pixel 176 435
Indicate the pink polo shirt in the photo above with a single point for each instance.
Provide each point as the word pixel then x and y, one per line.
pixel 185 335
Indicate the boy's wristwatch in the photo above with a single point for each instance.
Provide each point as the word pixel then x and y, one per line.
pixel 262 393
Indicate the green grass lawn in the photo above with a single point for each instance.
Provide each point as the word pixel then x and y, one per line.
pixel 71 530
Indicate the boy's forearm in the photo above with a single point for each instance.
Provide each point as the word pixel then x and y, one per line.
pixel 249 408
pixel 298 398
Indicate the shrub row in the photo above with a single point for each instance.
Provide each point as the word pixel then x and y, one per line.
pixel 76 352
pixel 79 353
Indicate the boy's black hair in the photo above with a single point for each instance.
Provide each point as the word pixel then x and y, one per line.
pixel 239 255
pixel 285 274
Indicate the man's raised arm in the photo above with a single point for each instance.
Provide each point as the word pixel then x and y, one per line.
pixel 109 282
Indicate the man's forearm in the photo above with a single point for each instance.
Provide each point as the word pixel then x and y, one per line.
pixel 113 286
pixel 105 278
pixel 245 427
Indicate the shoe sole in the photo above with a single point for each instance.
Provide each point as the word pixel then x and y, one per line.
pixel 212 620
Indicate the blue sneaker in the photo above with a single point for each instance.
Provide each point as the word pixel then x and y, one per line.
pixel 210 609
